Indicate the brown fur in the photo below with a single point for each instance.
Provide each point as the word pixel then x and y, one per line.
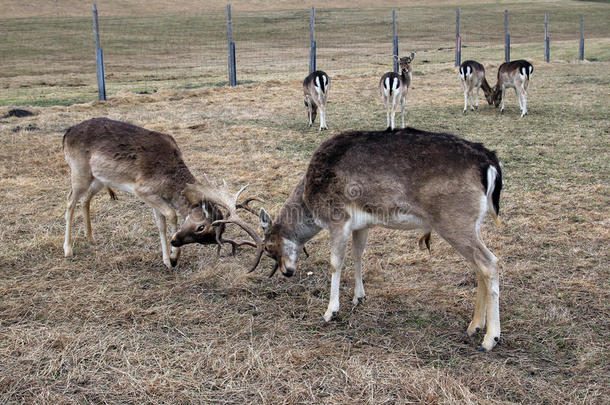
pixel 314 101
pixel 475 81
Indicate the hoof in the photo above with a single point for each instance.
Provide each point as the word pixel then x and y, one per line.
pixel 496 339
pixel 173 262
pixel 482 349
pixel 328 318
pixel 359 300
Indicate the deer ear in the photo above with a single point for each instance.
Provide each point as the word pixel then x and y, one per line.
pixel 412 56
pixel 265 220
pixel 192 194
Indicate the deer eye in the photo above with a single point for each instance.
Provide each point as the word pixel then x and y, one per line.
pixel 200 228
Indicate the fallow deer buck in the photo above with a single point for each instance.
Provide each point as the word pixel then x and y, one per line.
pixel 515 74
pixel 407 179
pixel 394 88
pixel 316 87
pixel 103 153
pixel 472 74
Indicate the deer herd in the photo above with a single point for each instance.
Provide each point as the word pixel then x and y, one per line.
pixel 396 179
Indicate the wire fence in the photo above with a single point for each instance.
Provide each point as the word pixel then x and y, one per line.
pixel 145 54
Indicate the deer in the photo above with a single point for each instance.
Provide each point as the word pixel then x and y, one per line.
pixel 515 74
pixel 472 75
pixel 114 155
pixel 406 179
pixel 316 87
pixel 394 88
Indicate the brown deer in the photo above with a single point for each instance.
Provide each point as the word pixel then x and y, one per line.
pixel 407 179
pixel 515 74
pixel 316 87
pixel 472 74
pixel 109 154
pixel 394 88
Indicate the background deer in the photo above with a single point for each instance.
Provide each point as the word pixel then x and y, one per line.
pixel 472 74
pixel 316 87
pixel 515 74
pixel 394 88
pixel 103 153
pixel 408 179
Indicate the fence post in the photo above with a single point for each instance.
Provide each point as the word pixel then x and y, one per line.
pixel 312 41
pixel 581 50
pixel 231 49
pixel 506 38
pixel 99 58
pixel 547 44
pixel 394 42
pixel 458 38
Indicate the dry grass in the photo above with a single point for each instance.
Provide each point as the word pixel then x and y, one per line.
pixel 112 325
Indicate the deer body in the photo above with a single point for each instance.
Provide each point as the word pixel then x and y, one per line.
pixel 316 87
pixel 103 153
pixel 394 88
pixel 515 74
pixel 472 75
pixel 408 179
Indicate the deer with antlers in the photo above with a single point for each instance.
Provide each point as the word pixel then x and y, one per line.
pixel 515 74
pixel 472 75
pixel 407 179
pixel 107 154
pixel 394 88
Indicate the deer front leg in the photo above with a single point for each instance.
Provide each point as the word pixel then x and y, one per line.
pixel 503 91
pixel 162 226
pixel 338 242
pixel 358 244
pixel 476 104
pixel 486 263
pixel 403 101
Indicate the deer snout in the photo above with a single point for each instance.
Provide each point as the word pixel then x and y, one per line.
pixel 288 272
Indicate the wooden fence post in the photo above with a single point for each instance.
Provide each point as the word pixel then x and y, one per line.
pixel 581 49
pixel 394 42
pixel 458 38
pixel 99 58
pixel 312 40
pixel 231 49
pixel 547 41
pixel 506 38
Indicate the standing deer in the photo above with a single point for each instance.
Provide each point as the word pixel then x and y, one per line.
pixel 316 87
pixel 472 74
pixel 116 155
pixel 514 74
pixel 394 88
pixel 408 179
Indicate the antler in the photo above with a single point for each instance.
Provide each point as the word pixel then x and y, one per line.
pixel 245 205
pixel 221 196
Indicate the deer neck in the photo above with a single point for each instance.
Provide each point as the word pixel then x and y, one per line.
pixel 181 177
pixel 405 76
pixel 295 221
pixel 486 87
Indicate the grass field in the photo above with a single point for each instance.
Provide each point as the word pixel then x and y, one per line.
pixel 113 325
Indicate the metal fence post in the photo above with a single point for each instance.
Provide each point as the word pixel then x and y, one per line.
pixel 458 38
pixel 547 44
pixel 506 38
pixel 312 41
pixel 230 48
pixel 581 50
pixel 394 42
pixel 99 58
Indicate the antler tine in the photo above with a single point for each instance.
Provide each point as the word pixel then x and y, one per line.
pixel 237 220
pixel 245 205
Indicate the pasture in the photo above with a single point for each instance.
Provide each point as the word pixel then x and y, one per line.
pixel 113 325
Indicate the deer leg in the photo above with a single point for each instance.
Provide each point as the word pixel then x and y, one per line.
pixel 403 101
pixel 162 226
pixel 94 188
pixel 338 246
pixel 465 96
pixel 387 113
pixel 476 104
pixel 524 96
pixel 503 91
pixel 323 118
pixel 359 238
pixel 478 320
pixel 80 186
pixel 486 263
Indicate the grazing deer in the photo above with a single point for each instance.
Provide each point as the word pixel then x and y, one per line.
pixel 394 88
pixel 407 179
pixel 316 87
pixel 514 74
pixel 472 74
pixel 116 155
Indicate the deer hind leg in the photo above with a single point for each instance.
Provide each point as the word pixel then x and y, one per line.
pixel 323 117
pixel 524 96
pixel 503 91
pixel 338 242
pixel 359 238
pixel 486 311
pixel 465 88
pixel 94 188
pixel 80 185
pixel 476 103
